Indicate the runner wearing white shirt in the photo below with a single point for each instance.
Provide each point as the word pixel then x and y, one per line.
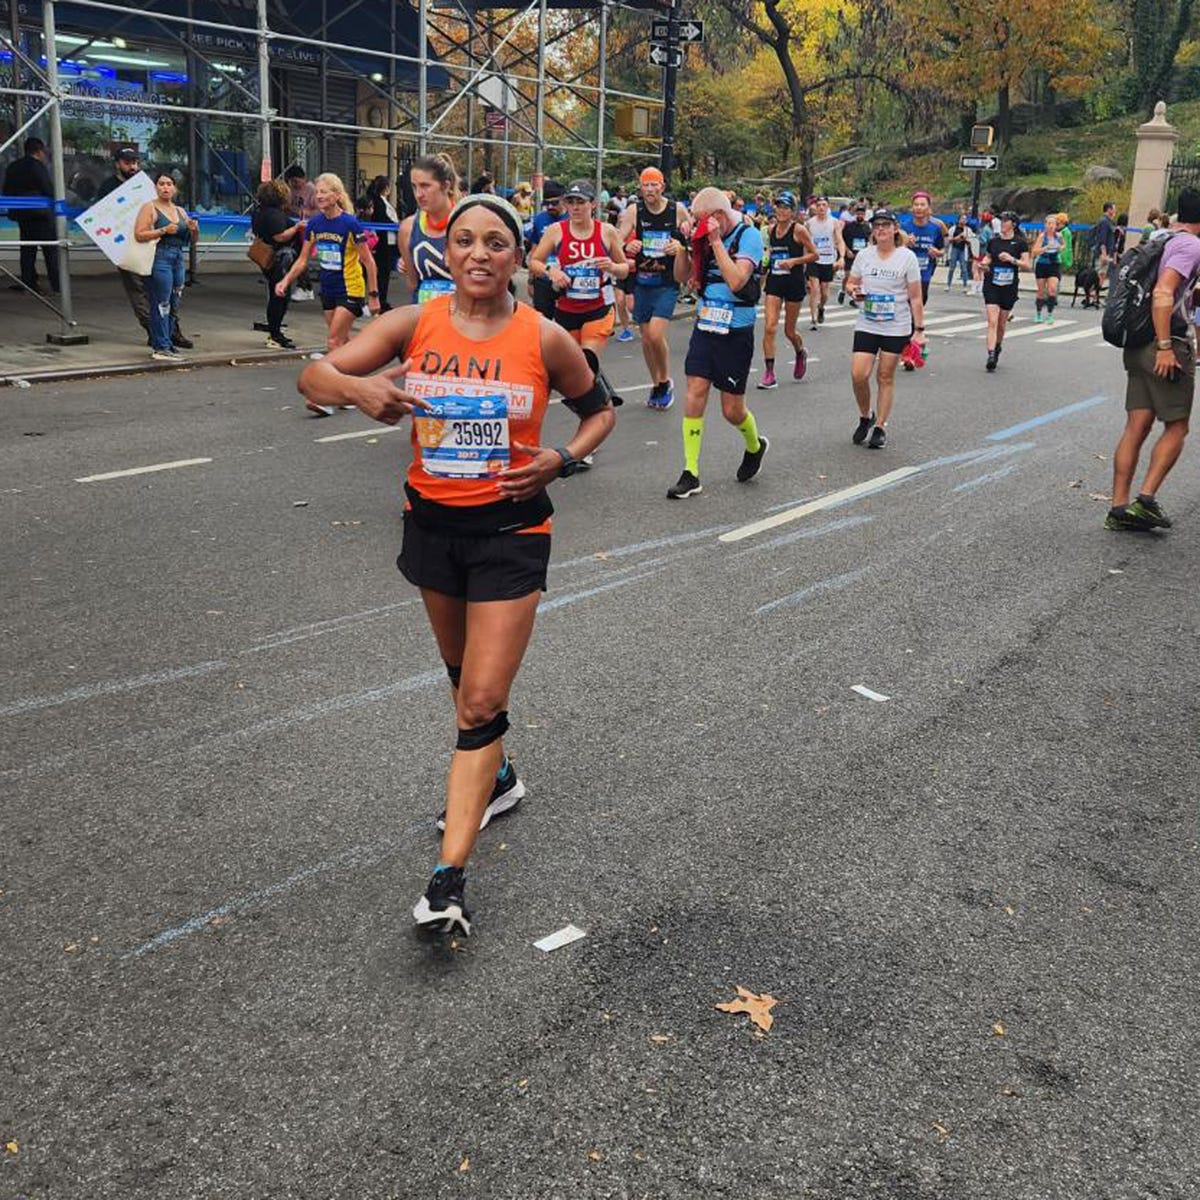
pixel 826 232
pixel 886 281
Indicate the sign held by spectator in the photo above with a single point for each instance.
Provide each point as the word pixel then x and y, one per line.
pixel 109 223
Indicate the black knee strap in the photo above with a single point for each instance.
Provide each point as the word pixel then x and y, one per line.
pixel 483 735
pixel 455 673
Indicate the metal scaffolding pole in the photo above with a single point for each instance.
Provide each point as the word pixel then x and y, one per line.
pixel 539 154
pixel 67 336
pixel 264 92
pixel 14 15
pixel 600 99
pixel 423 76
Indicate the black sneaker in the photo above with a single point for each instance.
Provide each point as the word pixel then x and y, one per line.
pixel 181 342
pixel 1149 511
pixel 442 910
pixel 506 795
pixel 841 295
pixel 878 438
pixel 752 463
pixel 990 365
pixel 280 341
pixel 1122 520
pixel 688 485
pixel 865 425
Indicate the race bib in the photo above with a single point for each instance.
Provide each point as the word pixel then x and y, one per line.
pixel 654 243
pixel 857 244
pixel 1004 276
pixel 464 437
pixel 427 289
pixel 922 257
pixel 879 306
pixel 714 318
pixel 329 256
pixel 824 245
pixel 585 283
pixel 777 259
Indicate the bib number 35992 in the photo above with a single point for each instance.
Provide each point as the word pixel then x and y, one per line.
pixel 464 437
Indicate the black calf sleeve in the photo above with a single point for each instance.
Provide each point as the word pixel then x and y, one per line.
pixel 483 735
pixel 455 673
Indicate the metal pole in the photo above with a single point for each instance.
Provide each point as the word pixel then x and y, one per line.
pixel 14 14
pixel 668 120
pixel 391 118
pixel 422 76
pixel 65 337
pixel 539 154
pixel 324 137
pixel 975 194
pixel 600 99
pixel 264 92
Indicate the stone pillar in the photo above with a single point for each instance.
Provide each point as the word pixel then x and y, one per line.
pixel 1155 148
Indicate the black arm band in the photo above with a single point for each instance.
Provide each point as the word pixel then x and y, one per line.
pixel 592 401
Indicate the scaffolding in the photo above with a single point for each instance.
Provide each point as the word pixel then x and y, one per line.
pixel 333 81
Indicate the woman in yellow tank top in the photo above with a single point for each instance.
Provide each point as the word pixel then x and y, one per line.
pixel 475 374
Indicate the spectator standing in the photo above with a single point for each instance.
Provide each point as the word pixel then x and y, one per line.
pixel 1104 242
pixel 162 221
pixel 960 252
pixel 387 250
pixel 303 206
pixel 285 236
pixel 28 176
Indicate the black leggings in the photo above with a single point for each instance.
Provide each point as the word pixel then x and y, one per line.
pixel 277 306
pixel 385 263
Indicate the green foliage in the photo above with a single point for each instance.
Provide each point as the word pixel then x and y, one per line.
pixel 1026 162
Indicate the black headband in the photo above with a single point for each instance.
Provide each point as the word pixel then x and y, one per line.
pixel 498 205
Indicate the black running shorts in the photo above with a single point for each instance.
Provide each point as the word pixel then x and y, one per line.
pixel 353 304
pixel 790 287
pixel 822 272
pixel 722 358
pixel 502 566
pixel 879 343
pixel 1004 297
pixel 1047 271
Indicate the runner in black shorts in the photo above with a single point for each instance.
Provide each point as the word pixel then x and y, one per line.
pixel 1007 253
pixel 856 237
pixel 789 248
pixel 1047 269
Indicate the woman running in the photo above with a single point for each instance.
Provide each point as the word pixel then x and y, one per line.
pixel 1006 254
pixel 789 248
pixel 886 282
pixel 423 235
pixel 347 269
pixel 477 521
pixel 1047 269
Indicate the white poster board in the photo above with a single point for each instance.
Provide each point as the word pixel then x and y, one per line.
pixel 109 223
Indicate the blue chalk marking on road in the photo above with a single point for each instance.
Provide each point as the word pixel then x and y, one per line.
pixel 676 539
pixel 1054 415
pixel 816 531
pixel 572 597
pixel 969 485
pixel 813 589
pixel 93 690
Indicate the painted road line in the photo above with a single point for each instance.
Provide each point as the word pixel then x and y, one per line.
pixel 1074 336
pixel 960 329
pixel 834 498
pixel 167 466
pixel 362 433
pixel 795 599
pixel 1055 414
pixel 863 690
pixel 1035 329
pixel 561 937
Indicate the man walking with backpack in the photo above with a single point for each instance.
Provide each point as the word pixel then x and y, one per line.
pixel 1155 326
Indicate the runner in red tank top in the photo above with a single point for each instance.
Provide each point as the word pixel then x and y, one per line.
pixel 476 372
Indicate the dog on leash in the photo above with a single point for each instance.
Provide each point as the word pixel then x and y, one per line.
pixel 1087 281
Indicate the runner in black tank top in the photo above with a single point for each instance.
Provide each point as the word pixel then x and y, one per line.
pixel 790 248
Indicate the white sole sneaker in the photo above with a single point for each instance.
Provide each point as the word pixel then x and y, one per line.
pixel 445 920
pixel 496 808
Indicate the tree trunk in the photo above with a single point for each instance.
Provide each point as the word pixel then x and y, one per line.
pixel 1003 118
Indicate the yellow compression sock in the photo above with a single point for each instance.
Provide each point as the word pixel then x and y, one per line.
pixel 749 431
pixel 693 432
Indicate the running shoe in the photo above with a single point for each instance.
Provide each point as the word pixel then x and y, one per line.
pixel 1050 318
pixel 768 381
pixel 280 341
pixel 865 425
pixel 801 365
pixel 626 335
pixel 167 355
pixel 841 295
pixel 1122 520
pixel 442 910
pixel 687 485
pixel 878 438
pixel 752 463
pixel 182 342
pixel 821 314
pixel 1037 318
pixel 302 293
pixel 586 462
pixel 813 327
pixel 1150 512
pixel 663 400
pixel 506 795
pixel 990 365
pixel 317 411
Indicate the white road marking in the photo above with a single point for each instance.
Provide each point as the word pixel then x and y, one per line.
pixel 562 937
pixel 167 466
pixel 1035 329
pixel 832 500
pixel 362 433
pixel 959 329
pixel 863 690
pixel 1074 336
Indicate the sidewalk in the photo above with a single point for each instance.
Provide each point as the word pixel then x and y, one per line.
pixel 218 312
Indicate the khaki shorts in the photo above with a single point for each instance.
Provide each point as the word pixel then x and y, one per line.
pixel 1168 399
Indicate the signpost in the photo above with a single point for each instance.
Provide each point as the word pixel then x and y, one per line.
pixel 982 137
pixel 664 56
pixel 978 162
pixel 689 31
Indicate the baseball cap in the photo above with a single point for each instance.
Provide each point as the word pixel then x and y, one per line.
pixel 883 214
pixel 551 191
pixel 128 154
pixel 786 199
pixel 580 188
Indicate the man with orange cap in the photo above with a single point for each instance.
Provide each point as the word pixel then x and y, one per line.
pixel 654 229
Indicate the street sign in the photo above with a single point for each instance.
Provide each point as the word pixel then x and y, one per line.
pixel 660 56
pixel 689 31
pixel 978 162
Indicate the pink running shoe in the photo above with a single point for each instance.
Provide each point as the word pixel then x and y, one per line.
pixel 798 371
pixel 767 381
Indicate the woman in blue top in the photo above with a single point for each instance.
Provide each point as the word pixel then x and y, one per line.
pixel 1047 269
pixel 423 235
pixel 348 278
pixel 162 221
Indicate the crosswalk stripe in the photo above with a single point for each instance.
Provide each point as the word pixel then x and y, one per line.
pixel 960 329
pixel 1073 336
pixel 1012 333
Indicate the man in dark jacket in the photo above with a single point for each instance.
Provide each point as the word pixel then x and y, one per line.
pixel 129 164
pixel 28 176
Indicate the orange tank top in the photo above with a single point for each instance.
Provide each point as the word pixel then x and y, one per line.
pixel 446 363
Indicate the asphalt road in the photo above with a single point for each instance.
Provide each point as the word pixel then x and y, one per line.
pixel 225 732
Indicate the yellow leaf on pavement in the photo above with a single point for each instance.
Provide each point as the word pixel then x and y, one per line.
pixel 465 1165
pixel 756 1007
pixel 11 1147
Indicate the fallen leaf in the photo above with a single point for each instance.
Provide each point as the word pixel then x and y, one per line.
pixel 998 1029
pixel 1075 483
pixel 522 1083
pixel 1101 457
pixel 944 1130
pixel 757 1008
pixel 606 1016
pixel 94 938
pixel 601 555
pixel 70 947
pixel 465 1165
pixel 1008 908
pixel 594 1155
pixel 1098 496
pixel 11 1147
pixel 661 1039
pixel 1010 1091
pixel 218 920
